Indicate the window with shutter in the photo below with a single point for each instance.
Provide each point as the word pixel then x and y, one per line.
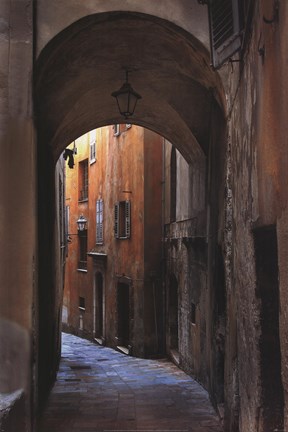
pixel 127 219
pixel 225 29
pixel 122 220
pixel 99 222
pixel 116 220
pixel 116 129
pixel 92 137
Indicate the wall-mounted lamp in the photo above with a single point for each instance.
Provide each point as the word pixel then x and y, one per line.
pixel 126 98
pixel 81 223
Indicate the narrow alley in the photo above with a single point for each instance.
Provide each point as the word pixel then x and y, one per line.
pixel 99 389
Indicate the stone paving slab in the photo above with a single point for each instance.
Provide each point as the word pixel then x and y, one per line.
pixel 101 390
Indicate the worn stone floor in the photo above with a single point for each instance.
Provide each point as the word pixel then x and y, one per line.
pixel 99 389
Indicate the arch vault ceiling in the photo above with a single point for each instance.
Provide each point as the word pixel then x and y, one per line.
pixel 78 70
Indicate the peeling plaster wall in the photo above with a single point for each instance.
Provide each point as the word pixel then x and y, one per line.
pixel 186 260
pixel 191 257
pixel 257 106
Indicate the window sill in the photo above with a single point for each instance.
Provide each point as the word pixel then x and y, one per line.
pixel 83 200
pixel 92 161
pixel 82 270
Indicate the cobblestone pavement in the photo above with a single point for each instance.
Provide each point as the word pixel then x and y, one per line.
pixel 99 389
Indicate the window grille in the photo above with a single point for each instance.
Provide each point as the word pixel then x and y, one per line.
pixel 225 30
pixel 99 222
pixel 122 220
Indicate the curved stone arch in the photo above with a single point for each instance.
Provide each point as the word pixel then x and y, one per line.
pixel 80 67
pixel 182 100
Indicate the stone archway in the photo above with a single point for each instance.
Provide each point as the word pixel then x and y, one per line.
pixel 77 71
pixel 75 75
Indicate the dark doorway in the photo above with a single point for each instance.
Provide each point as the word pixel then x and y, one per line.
pixel 265 240
pixel 173 313
pixel 99 318
pixel 123 314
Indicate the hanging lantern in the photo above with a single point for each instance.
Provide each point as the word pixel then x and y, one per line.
pixel 126 98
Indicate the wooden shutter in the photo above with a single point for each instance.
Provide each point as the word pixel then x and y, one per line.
pixel 225 30
pixel 116 220
pixel 92 136
pixel 127 219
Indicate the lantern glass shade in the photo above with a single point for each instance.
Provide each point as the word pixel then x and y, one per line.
pixel 81 223
pixel 126 98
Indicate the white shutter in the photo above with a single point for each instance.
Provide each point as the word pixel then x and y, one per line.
pixel 99 221
pixel 225 30
pixel 127 219
pixel 101 234
pixel 116 129
pixel 92 146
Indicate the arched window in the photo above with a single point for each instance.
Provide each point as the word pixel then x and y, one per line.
pixel 173 185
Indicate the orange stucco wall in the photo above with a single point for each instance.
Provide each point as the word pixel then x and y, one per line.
pixel 127 167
